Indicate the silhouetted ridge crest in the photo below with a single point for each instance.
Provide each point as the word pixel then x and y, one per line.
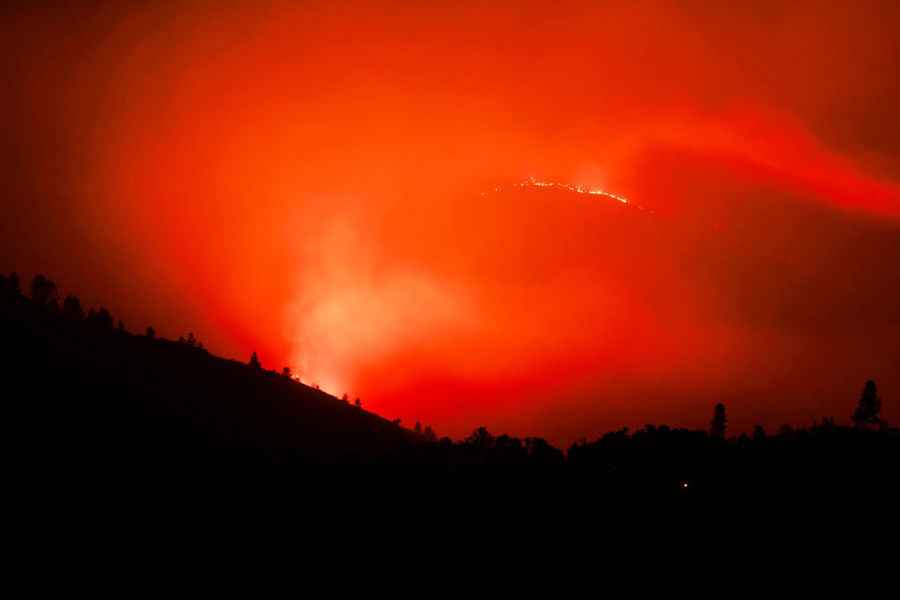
pixel 91 393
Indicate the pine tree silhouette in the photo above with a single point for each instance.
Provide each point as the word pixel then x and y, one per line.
pixel 719 422
pixel 43 290
pixel 72 308
pixel 759 433
pixel 869 408
pixel 103 319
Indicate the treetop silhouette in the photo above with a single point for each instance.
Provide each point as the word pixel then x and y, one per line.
pixel 72 308
pixel 719 423
pixel 43 291
pixel 868 411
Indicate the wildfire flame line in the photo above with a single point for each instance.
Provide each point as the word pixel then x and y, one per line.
pixel 577 189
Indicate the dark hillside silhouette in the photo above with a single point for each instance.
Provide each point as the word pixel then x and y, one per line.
pixel 83 394
pixel 81 389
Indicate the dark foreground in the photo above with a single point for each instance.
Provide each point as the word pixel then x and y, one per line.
pixel 86 400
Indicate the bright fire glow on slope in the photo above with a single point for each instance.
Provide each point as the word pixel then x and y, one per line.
pixel 531 182
pixel 351 313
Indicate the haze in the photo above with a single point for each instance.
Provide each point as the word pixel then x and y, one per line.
pixel 317 182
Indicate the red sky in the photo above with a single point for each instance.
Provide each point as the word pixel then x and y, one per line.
pixel 305 180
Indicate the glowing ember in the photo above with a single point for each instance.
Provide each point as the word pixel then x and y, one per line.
pixel 577 189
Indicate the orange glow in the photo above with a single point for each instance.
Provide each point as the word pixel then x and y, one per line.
pixel 697 203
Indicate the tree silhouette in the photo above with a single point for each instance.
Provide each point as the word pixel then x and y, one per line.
pixel 481 438
pixel 151 333
pixel 286 372
pixel 254 362
pixel 104 319
pixel 429 434
pixel 541 452
pixel 72 308
pixel 13 284
pixel 345 397
pixel 869 408
pixel 759 433
pixel 9 286
pixel 43 291
pixel 358 402
pixel 719 422
pixel 418 428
